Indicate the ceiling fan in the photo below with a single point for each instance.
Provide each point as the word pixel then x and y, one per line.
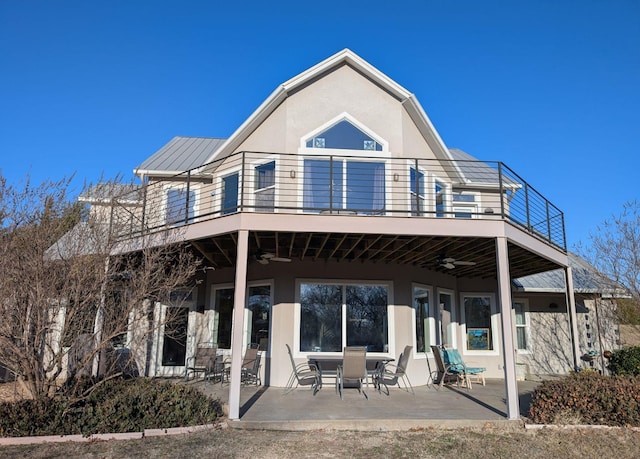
pixel 265 257
pixel 450 263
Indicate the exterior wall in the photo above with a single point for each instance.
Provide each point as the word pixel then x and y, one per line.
pixel 550 337
pixel 401 278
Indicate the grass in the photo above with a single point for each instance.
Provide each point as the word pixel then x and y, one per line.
pixel 463 443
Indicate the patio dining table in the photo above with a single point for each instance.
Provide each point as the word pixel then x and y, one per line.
pixel 328 365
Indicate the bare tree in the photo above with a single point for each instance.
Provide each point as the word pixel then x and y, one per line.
pixel 615 252
pixel 69 290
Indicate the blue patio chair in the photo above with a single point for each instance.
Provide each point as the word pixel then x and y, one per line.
pixel 455 365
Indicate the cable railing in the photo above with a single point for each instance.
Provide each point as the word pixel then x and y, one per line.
pixel 339 185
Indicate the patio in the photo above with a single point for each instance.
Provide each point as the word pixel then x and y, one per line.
pixel 430 407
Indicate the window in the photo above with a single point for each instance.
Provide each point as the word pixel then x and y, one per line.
pixel 223 316
pixel 356 186
pixel 446 325
pixel 333 316
pixel 440 194
pixel 424 320
pixel 522 325
pixel 258 312
pixel 417 192
pixel 477 312
pixel 265 186
pixel 230 193
pixel 465 205
pixel 344 136
pixel 180 207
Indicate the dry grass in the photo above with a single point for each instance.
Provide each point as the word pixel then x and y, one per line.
pixel 569 443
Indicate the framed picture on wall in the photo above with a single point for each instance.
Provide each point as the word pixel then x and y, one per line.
pixel 478 339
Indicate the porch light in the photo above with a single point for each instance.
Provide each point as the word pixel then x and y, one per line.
pixel 292 173
pixel 396 177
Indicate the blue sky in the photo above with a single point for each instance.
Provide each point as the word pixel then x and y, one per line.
pixel 551 88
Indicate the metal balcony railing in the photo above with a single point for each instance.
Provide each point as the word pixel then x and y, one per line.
pixel 334 184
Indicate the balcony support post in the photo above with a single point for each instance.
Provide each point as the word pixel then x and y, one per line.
pixel 508 341
pixel 237 336
pixel 573 319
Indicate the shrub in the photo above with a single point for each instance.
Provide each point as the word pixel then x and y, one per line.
pixel 625 361
pixel 114 406
pixel 587 398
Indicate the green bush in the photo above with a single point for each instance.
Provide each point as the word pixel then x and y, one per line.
pixel 625 361
pixel 587 398
pixel 115 406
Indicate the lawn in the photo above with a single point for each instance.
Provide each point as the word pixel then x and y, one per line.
pixel 566 443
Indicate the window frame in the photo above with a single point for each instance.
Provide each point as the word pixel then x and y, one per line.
pixel 466 207
pixel 494 324
pixel 220 197
pixel 526 326
pixel 344 116
pixel 246 332
pixel 446 196
pixel 195 208
pixel 342 163
pixel 215 321
pixel 254 182
pixel 432 321
pixel 297 317
pixel 453 325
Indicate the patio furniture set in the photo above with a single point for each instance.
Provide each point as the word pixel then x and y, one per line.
pixel 216 367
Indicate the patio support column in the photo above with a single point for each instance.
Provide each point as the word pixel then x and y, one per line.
pixel 237 350
pixel 508 342
pixel 573 320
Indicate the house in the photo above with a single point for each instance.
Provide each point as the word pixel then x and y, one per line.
pixel 335 215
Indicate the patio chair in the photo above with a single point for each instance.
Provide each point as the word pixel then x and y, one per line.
pixel 445 374
pixel 391 374
pixel 303 374
pixel 251 367
pixel 353 370
pixel 202 362
pixel 454 361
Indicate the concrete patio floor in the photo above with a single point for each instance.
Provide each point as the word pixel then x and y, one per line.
pixel 430 407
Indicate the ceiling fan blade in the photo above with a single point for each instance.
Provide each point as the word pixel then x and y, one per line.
pixel 263 261
pixel 448 265
pixel 447 260
pixel 464 263
pixel 281 259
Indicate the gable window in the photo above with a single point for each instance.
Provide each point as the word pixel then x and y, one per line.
pixel 344 136
pixel 480 330
pixel 333 316
pixel 180 206
pixel 265 186
pixel 344 184
pixel 229 201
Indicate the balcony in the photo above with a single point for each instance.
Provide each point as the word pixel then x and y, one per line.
pixel 369 187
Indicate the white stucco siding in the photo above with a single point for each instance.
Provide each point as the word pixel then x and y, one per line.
pixel 341 91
